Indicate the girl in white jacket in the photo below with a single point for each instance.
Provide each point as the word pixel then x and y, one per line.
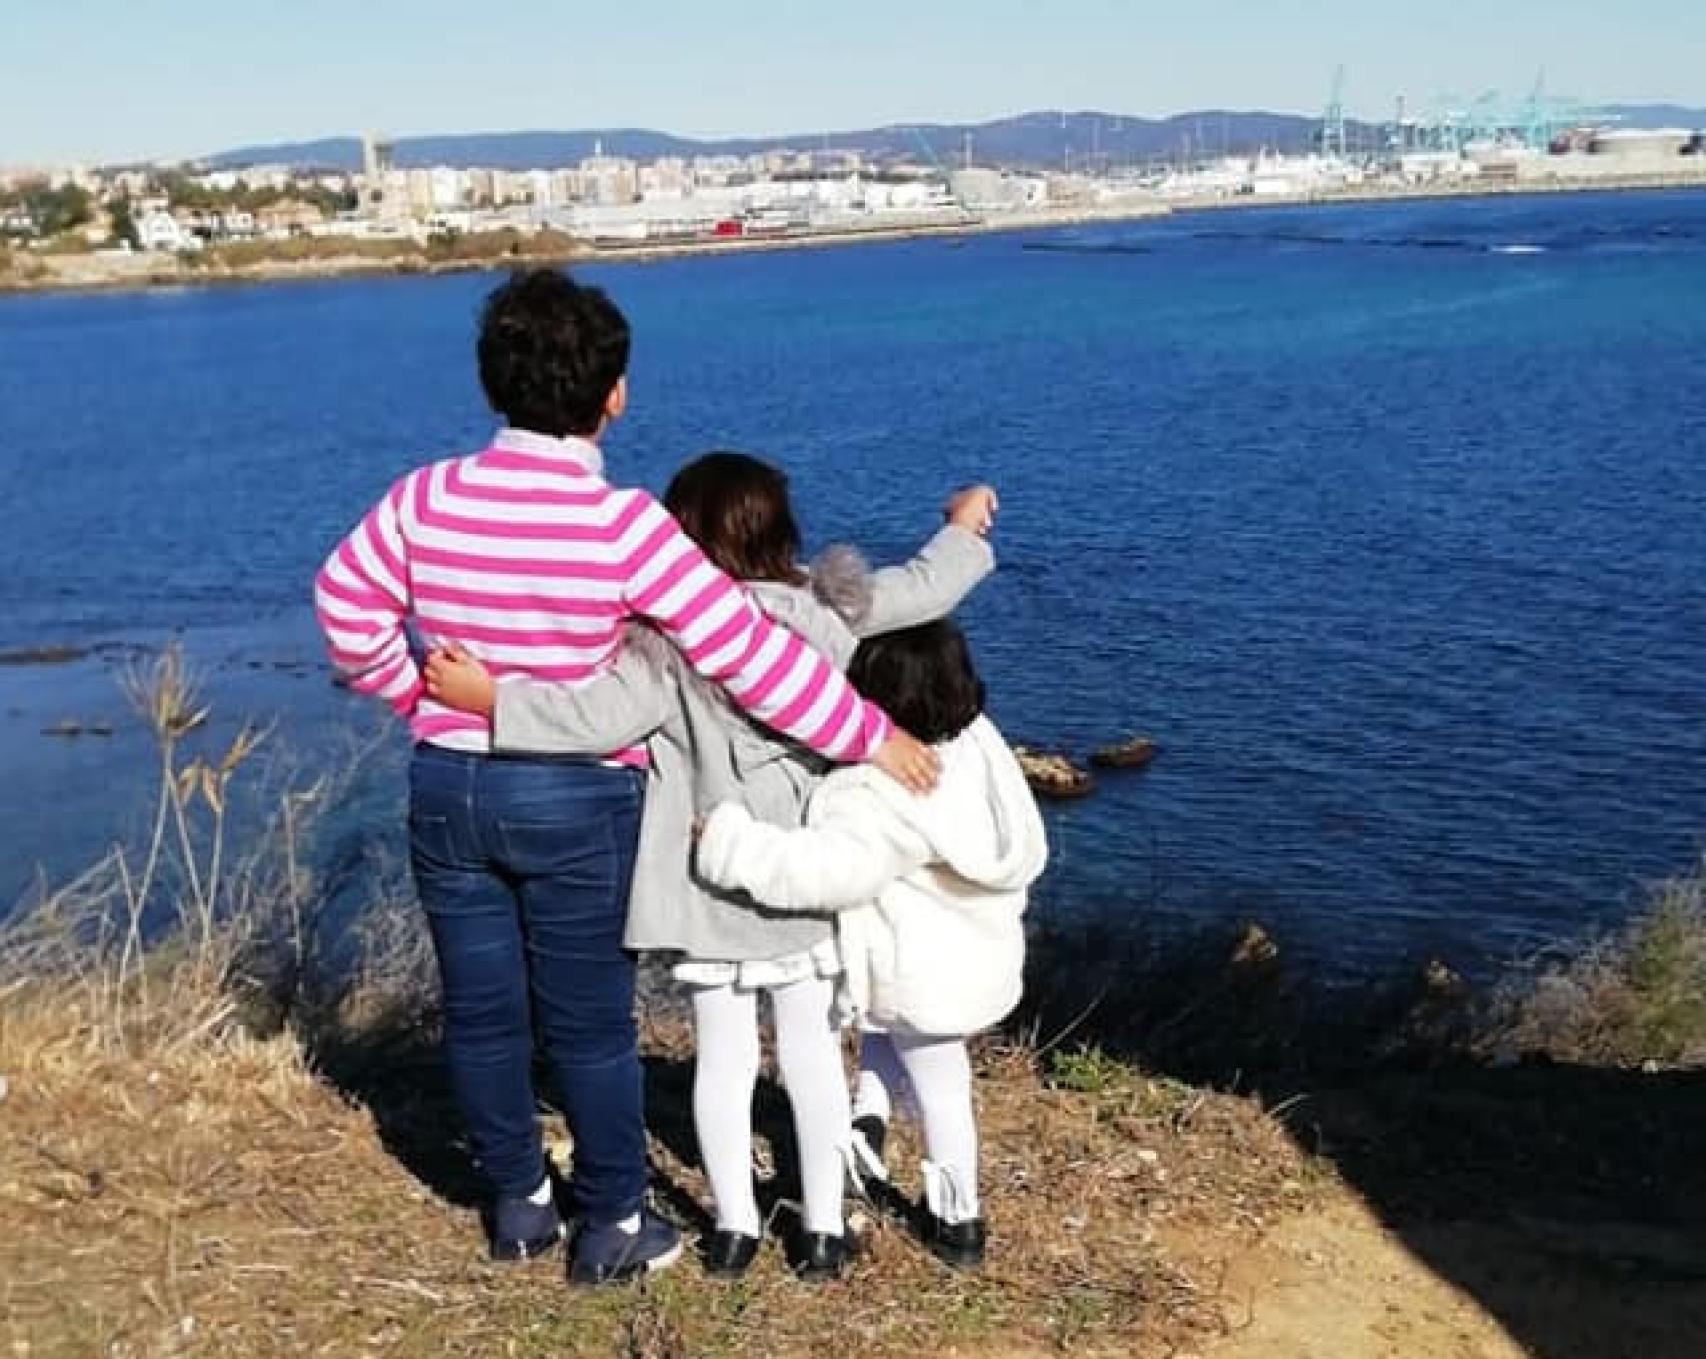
pixel 929 893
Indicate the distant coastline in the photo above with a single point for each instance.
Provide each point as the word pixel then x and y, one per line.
pixel 139 272
pixel 130 273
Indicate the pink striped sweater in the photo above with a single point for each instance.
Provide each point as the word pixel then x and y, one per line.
pixel 529 558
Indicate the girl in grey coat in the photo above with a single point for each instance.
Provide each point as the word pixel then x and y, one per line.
pixel 705 752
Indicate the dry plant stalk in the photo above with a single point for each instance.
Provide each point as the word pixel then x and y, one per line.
pixel 150 936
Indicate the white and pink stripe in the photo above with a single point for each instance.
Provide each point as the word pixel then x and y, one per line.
pixel 526 556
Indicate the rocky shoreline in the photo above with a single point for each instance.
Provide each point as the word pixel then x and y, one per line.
pixel 124 273
pixel 136 272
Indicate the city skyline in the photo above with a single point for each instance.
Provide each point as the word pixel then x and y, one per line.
pixel 214 79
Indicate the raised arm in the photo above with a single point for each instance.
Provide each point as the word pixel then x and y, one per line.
pixel 618 709
pixel 361 598
pixel 855 846
pixel 930 586
pixel 767 670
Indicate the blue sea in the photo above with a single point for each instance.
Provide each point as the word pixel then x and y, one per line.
pixel 1386 522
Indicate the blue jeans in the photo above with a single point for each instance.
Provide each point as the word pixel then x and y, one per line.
pixel 523 867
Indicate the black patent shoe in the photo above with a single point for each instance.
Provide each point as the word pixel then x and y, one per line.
pixel 957 1244
pixel 817 1257
pixel 728 1255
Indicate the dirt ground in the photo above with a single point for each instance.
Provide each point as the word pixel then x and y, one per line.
pixel 1335 1284
pixel 225 1196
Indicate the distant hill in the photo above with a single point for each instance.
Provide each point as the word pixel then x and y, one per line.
pixel 1049 139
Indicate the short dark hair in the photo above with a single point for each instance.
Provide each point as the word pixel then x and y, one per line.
pixel 737 509
pixel 551 352
pixel 923 677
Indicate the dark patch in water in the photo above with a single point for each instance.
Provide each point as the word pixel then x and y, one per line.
pixel 44 655
pixel 1087 248
pixel 1585 236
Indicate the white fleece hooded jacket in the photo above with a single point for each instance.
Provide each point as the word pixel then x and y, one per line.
pixel 928 891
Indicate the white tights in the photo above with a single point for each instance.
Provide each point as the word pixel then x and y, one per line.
pixel 934 1076
pixel 808 1050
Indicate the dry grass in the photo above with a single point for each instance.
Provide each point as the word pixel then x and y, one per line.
pixel 217 1197
pixel 486 247
pixel 1635 998
pixel 508 244
pixel 298 249
pixel 213 1148
pixel 18 266
pixel 151 940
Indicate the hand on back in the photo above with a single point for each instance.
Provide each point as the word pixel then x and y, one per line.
pixel 457 680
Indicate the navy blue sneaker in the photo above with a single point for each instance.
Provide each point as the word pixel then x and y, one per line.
pixel 608 1255
pixel 520 1229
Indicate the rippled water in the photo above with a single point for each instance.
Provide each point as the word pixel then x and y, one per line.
pixel 1388 522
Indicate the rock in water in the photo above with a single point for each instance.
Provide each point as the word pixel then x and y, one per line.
pixel 1053 776
pixel 1132 753
pixel 1255 948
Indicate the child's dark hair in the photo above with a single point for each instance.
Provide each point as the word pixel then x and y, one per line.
pixel 551 352
pixel 736 508
pixel 923 677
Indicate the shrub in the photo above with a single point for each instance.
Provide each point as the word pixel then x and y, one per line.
pixel 1633 998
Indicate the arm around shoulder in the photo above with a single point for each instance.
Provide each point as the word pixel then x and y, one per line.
pixel 856 845
pixel 769 672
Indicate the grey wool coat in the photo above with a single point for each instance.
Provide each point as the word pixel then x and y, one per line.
pixel 705 751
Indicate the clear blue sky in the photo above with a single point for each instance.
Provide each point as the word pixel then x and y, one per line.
pixel 95 80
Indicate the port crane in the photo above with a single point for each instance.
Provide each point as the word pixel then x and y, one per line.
pixel 1334 143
